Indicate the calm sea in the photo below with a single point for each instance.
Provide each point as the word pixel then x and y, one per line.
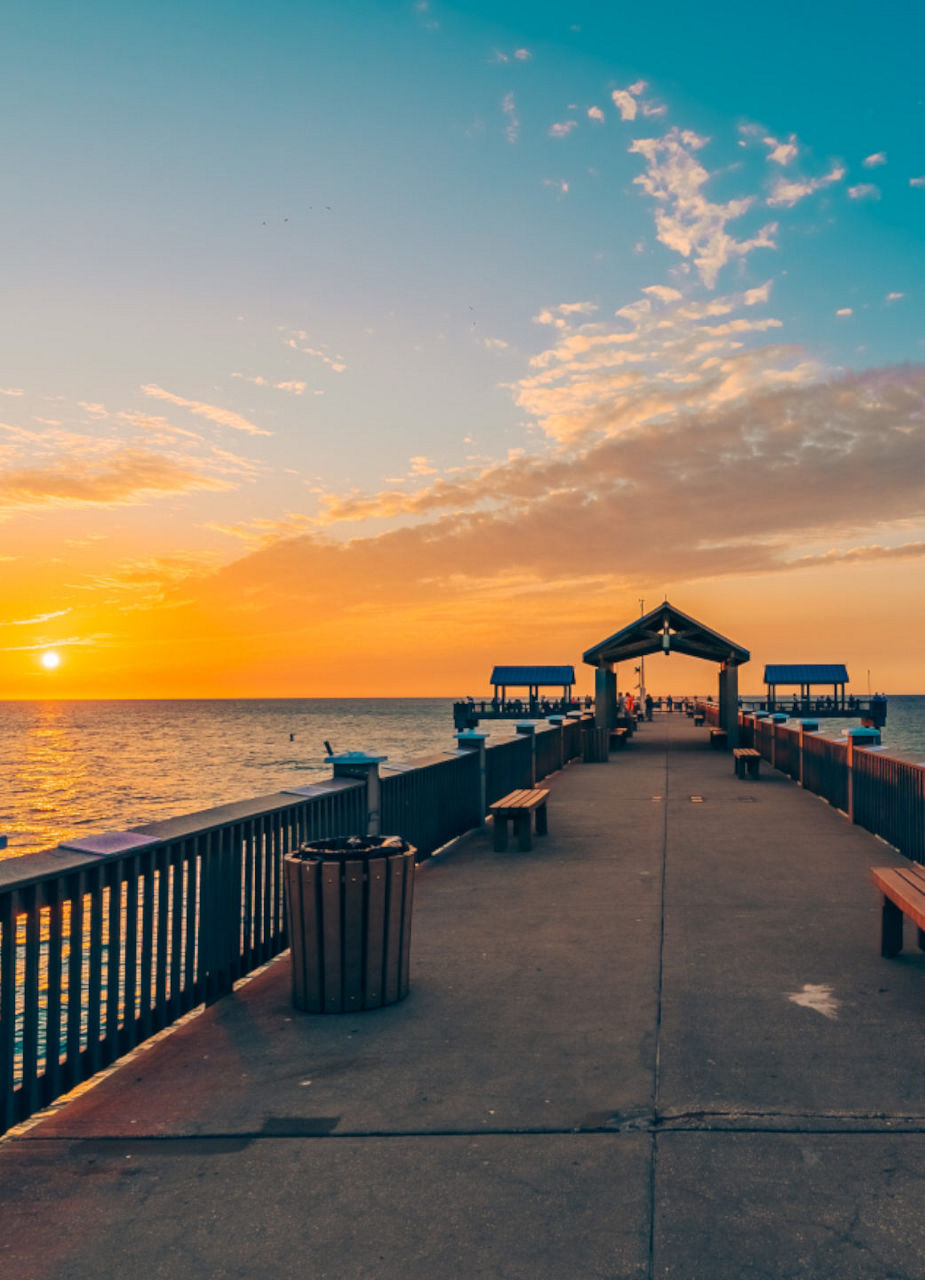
pixel 76 768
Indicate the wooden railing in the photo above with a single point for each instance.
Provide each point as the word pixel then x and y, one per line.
pixel 99 951
pixel 889 799
pixel 884 794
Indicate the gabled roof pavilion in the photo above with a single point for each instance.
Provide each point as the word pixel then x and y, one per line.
pixel 666 630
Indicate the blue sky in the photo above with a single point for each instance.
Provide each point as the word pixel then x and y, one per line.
pixel 337 271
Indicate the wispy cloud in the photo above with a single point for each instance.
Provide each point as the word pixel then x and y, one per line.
pixel 785 193
pixel 815 455
pixel 917 182
pixel 562 129
pixel 294 388
pixel 297 337
pixel 509 109
pixel 31 622
pixel 224 417
pixel 844 311
pixel 518 55
pixel 894 297
pixel 11 391
pixel 782 153
pixel 97 639
pixel 625 102
pixel 864 191
pixel 595 113
pixel 127 477
pixel 874 161
pixel 686 221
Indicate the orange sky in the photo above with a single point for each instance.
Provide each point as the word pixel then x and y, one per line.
pixel 357 353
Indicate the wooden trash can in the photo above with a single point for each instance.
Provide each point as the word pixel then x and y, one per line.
pixel 595 745
pixel 348 907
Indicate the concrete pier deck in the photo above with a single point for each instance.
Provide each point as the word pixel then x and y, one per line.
pixel 662 1044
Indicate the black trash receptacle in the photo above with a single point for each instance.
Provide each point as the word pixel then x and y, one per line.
pixel 348 907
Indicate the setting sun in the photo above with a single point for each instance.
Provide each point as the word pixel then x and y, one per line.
pixel 51 660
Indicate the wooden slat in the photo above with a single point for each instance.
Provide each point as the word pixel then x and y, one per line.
pixel 190 978
pixel 353 935
pixel 75 965
pixel 375 930
pixel 30 1030
pixel 405 973
pixel 175 861
pixel 8 1114
pixel 130 1028
pixel 114 957
pixel 527 799
pixel 53 896
pixel 396 881
pixel 293 872
pixel 146 967
pixel 310 890
pixel 95 880
pixel 330 909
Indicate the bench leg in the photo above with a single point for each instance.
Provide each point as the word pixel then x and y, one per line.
pixel 500 840
pixel 753 769
pixel 524 833
pixel 541 827
pixel 921 933
pixel 891 929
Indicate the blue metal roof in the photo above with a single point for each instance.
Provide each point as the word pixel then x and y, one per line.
pixel 533 675
pixel 807 673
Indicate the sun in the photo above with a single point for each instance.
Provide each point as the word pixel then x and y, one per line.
pixel 50 659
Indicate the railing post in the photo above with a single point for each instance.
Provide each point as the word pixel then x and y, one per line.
pixel 357 764
pixel 777 718
pixel 528 729
pixel 858 738
pixel 806 726
pixel 473 740
pixel 558 721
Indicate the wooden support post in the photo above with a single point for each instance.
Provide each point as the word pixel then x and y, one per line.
pixel 891 929
pixel 605 697
pixel 528 730
pixel 472 740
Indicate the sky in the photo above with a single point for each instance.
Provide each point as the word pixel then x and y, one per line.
pixel 352 348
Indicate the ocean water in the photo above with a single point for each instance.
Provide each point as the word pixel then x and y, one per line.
pixel 73 769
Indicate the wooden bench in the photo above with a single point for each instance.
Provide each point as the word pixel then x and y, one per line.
pixel 698 719
pixel 745 761
pixel 903 890
pixel 618 738
pixel 717 737
pixel 519 806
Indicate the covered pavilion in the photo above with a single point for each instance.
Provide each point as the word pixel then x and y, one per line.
pixel 666 629
pixel 533 679
pixel 806 676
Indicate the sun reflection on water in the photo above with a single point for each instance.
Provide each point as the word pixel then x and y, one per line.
pixel 47 781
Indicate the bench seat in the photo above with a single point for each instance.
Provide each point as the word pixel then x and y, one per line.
pixel 746 761
pixel 519 806
pixel 618 738
pixel 718 737
pixel 903 890
pixel 698 719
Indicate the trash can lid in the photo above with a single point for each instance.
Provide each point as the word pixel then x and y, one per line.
pixel 349 848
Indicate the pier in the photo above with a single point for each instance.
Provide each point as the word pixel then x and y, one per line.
pixel 663 1043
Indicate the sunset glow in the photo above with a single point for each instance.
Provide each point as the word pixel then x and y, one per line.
pixel 351 350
